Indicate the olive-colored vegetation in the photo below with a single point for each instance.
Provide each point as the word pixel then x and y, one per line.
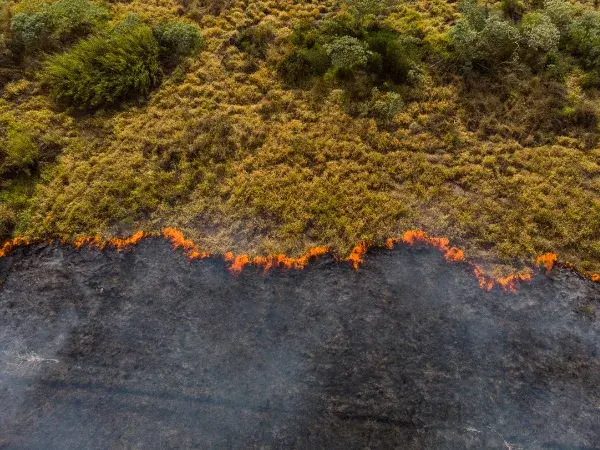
pixel 276 125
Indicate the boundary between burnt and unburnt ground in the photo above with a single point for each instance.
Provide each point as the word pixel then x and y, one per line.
pixel 237 263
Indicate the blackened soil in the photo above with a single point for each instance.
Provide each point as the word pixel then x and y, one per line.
pixel 144 349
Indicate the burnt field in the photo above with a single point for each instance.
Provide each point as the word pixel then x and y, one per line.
pixel 145 349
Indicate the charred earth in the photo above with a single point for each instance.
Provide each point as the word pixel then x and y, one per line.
pixel 146 349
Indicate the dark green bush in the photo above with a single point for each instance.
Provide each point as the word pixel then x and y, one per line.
pixel 584 39
pixel 513 9
pixel 104 70
pixel 302 64
pixel 177 40
pixel 392 59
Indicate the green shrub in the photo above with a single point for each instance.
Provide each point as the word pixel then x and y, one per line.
pixel 302 64
pixel 177 40
pixel 347 53
pixel 57 24
pixel 364 8
pixel 539 33
pixel 31 31
pixel 560 12
pixel 484 42
pixel 584 39
pixel 106 69
pixel 464 39
pixel 385 107
pixel 391 58
pixel 513 9
pixel 498 42
pixel 73 19
pixel 473 13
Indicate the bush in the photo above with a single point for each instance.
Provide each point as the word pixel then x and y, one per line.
pixel 362 8
pixel 31 31
pixel 560 12
pixel 584 39
pixel 347 53
pixel 513 9
pixel 473 13
pixel 177 40
pixel 385 107
pixel 302 64
pixel 73 19
pixel 106 69
pixel 498 42
pixel 539 33
pixel 60 23
pixel 391 58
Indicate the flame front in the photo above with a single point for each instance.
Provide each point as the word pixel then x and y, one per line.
pixel 11 245
pixel 237 263
pixel 357 255
pixel 411 237
pixel 547 260
pixel 179 241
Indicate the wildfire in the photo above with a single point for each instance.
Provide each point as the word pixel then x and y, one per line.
pixel 547 260
pixel 357 255
pixel 451 254
pixel 179 241
pixel 237 263
pixel 9 246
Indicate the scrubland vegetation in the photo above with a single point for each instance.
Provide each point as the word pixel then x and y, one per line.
pixel 276 125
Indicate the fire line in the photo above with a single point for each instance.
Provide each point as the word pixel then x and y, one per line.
pixel 237 263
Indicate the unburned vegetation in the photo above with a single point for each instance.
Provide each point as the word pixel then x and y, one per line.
pixel 273 126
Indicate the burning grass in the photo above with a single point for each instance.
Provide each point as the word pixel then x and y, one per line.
pixel 237 263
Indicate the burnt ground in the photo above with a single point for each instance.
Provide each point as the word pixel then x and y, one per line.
pixel 144 349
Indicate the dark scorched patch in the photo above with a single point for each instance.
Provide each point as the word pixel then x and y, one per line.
pixel 143 348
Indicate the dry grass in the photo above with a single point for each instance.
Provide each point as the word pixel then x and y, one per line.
pixel 240 163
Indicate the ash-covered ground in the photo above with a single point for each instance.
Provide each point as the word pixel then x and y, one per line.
pixel 145 349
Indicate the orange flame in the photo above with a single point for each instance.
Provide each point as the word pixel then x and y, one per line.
pixel 178 240
pixel 485 282
pixel 411 237
pixel 11 245
pixel 237 262
pixel 547 260
pixel 451 254
pixel 122 244
pixel 356 257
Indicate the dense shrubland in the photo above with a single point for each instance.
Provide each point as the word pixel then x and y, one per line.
pixel 275 125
